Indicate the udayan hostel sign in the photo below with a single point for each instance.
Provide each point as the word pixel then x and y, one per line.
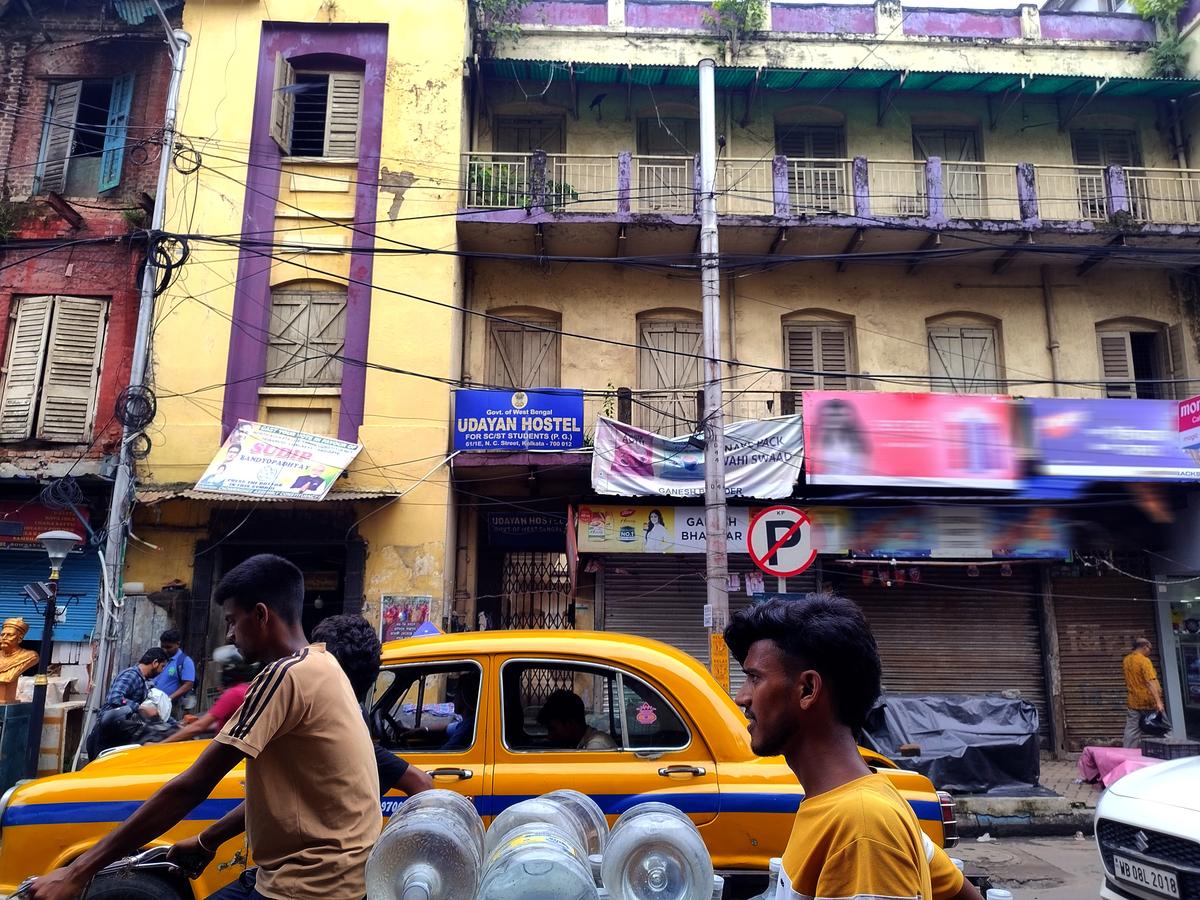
pixel 259 460
pixel 518 420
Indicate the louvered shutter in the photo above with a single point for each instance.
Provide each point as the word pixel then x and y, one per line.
pixel 72 370
pixel 1178 364
pixel 283 103
pixel 1087 148
pixel 342 114
pixel 669 374
pixel 23 368
pixel 802 357
pixel 286 343
pixel 1116 363
pixel 326 339
pixel 59 141
pixel 114 133
pixel 834 357
pixel 817 347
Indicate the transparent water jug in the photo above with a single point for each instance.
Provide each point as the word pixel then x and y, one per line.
pixel 656 853
pixel 656 806
pixel 427 851
pixel 775 866
pixel 541 810
pixel 537 861
pixel 588 812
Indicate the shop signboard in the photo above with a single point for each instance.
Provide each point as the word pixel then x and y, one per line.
pixel 1129 440
pixel 762 460
pixel 1189 423
pixel 259 460
pixel 526 530
pixel 22 522
pixel 885 438
pixel 516 421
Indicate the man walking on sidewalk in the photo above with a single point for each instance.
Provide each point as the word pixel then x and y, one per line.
pixel 1142 691
pixel 312 793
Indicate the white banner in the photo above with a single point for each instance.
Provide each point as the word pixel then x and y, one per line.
pixel 260 460
pixel 763 459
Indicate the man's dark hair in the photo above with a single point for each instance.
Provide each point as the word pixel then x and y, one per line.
pixel 268 579
pixel 153 655
pixel 170 636
pixel 354 644
pixel 822 632
pixel 562 706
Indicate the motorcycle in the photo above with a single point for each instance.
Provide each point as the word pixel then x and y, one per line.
pixel 127 878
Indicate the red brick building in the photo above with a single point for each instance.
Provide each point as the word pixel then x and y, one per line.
pixel 82 94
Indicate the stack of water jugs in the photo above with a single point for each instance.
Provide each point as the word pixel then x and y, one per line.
pixel 554 847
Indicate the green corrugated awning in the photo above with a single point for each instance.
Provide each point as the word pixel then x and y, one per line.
pixel 542 71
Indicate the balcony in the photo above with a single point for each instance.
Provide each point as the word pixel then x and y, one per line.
pixel 633 204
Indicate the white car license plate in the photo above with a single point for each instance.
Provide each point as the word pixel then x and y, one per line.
pixel 1158 880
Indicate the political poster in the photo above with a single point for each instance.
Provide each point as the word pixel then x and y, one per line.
pixel 886 438
pixel 401 615
pixel 518 420
pixel 259 460
pixel 762 460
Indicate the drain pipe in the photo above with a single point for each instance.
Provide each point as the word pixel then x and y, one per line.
pixel 1177 128
pixel 1051 328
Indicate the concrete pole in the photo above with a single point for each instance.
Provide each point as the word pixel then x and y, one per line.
pixel 119 507
pixel 715 518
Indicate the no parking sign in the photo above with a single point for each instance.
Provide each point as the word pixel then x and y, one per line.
pixel 780 541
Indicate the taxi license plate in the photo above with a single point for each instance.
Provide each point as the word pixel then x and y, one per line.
pixel 1158 880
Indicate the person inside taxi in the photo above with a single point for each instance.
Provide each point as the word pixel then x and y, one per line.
pixel 565 719
pixel 812 675
pixel 312 825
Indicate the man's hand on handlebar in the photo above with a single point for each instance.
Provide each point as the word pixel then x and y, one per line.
pixel 190 856
pixel 61 884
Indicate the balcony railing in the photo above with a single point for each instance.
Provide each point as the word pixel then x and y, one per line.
pixel 933 190
pixel 678 411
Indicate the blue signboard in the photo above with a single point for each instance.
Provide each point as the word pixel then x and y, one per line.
pixel 518 420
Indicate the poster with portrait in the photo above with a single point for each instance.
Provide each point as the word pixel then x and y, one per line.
pixel 400 615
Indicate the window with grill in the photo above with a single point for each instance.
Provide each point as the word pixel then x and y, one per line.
pixel 1102 149
pixel 1143 362
pixel 965 184
pixel 316 113
pixel 52 369
pixel 815 188
pixel 963 359
pixel 519 134
pixel 524 353
pixel 665 170
pixel 83 143
pixel 826 348
pixel 307 336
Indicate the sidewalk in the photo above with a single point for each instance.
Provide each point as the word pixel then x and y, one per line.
pixel 1071 810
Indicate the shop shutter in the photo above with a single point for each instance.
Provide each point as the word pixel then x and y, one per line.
pixel 72 370
pixel 663 597
pixel 283 104
pixel 1097 619
pixel 78 588
pixel 1116 363
pixel 343 114
pixel 520 356
pixel 23 368
pixel 951 633
pixel 114 133
pixel 60 136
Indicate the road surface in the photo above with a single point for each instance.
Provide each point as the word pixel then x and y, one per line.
pixel 1038 868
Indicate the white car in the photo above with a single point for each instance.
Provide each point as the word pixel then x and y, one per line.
pixel 1148 833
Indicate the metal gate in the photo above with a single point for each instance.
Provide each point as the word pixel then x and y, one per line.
pixel 535 591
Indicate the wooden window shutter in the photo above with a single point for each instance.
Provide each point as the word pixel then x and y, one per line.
pixel 520 356
pixel 307 338
pixel 834 356
pixel 669 370
pixel 1177 363
pixel 288 332
pixel 802 357
pixel 72 370
pixel 59 141
pixel 343 113
pixel 23 368
pixel 283 103
pixel 945 359
pixel 114 133
pixel 1116 363
pixel 326 339
pixel 965 360
pixel 1087 148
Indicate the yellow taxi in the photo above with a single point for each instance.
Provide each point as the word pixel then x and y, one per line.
pixel 465 708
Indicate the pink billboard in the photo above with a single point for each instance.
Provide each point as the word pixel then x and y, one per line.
pixel 932 440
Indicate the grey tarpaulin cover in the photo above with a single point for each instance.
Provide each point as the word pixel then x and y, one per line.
pixel 969 743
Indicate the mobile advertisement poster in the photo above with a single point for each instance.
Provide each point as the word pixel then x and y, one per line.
pixel 1129 440
pixel 518 420
pixel 763 458
pixel 259 460
pixel 897 439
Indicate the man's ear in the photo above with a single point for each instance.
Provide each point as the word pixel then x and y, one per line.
pixel 262 614
pixel 809 684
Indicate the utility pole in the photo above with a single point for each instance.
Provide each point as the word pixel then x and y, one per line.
pixel 715 519
pixel 119 506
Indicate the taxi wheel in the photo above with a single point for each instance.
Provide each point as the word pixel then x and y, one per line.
pixel 134 886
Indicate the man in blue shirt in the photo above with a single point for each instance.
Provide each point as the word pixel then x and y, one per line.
pixel 179 676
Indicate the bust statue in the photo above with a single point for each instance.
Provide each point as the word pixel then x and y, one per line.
pixel 13 658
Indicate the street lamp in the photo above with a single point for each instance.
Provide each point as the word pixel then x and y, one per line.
pixel 57 545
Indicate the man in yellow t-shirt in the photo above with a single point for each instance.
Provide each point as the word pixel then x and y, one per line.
pixel 812 675
pixel 1142 691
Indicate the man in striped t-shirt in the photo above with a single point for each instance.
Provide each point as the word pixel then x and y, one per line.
pixel 312 793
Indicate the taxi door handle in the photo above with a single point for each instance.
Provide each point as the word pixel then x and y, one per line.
pixel 460 774
pixel 668 771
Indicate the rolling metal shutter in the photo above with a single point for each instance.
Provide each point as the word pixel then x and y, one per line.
pixel 1097 620
pixel 663 597
pixel 951 633
pixel 79 590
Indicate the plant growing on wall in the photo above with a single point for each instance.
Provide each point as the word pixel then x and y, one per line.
pixel 504 187
pixel 1168 58
pixel 733 20
pixel 497 20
